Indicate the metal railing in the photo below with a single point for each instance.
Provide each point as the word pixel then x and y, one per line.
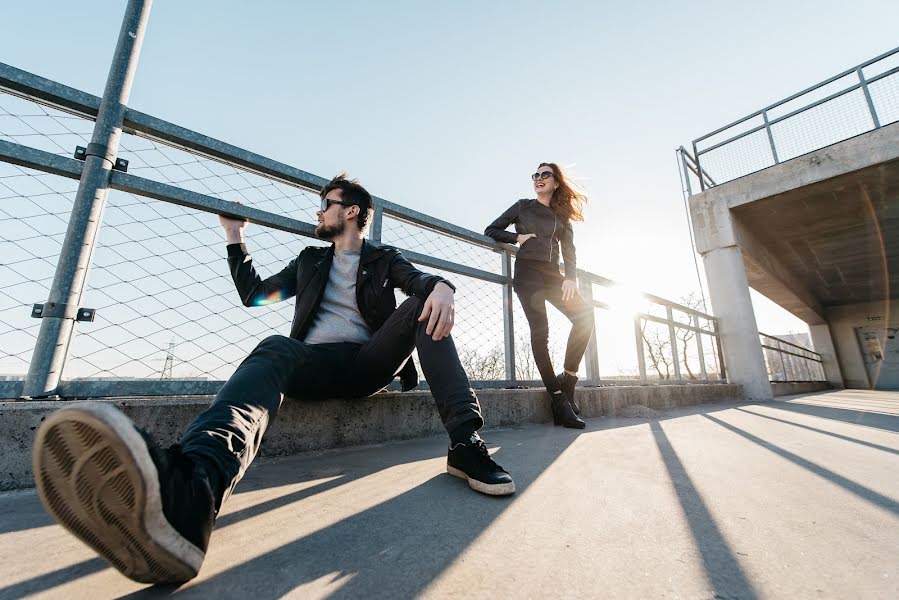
pixel 155 281
pixel 789 362
pixel 860 99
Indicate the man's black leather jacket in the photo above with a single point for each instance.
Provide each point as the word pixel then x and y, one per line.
pixel 381 269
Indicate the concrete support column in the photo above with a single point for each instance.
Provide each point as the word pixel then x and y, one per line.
pixel 729 292
pixel 823 343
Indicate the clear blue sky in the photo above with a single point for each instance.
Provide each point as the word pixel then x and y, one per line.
pixel 448 107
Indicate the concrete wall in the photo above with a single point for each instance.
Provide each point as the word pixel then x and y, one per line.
pixel 843 320
pixel 799 387
pixel 304 426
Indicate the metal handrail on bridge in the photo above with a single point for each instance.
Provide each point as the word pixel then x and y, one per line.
pixel 767 122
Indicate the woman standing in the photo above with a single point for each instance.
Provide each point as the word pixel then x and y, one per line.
pixel 542 225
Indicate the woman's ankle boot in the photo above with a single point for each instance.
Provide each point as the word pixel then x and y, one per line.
pixel 563 414
pixel 567 383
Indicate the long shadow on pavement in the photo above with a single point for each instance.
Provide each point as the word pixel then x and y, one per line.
pixel 855 417
pixel 394 549
pixel 821 431
pixel 51 580
pixel 721 565
pixel 417 533
pixel 847 484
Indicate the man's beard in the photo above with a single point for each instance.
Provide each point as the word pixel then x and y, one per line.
pixel 329 233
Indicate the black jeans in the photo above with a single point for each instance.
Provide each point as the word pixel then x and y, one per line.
pixel 225 438
pixel 535 283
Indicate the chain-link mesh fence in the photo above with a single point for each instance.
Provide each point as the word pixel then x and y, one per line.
pixel 166 308
pixel 885 96
pixel 830 112
pixel 34 214
pixel 36 125
pixel 165 163
pixel 166 305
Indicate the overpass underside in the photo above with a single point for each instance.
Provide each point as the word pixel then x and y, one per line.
pixel 818 235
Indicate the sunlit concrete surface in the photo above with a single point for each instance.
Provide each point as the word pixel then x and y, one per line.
pixel 793 498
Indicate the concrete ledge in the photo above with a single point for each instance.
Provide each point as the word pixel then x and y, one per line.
pixel 305 426
pixel 799 387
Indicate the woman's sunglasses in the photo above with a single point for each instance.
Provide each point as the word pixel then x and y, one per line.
pixel 542 175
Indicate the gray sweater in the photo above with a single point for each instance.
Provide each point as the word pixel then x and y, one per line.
pixel 338 318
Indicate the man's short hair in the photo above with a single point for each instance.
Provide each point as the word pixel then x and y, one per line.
pixel 352 192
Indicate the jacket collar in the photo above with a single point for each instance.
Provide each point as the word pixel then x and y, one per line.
pixel 370 251
pixel 324 259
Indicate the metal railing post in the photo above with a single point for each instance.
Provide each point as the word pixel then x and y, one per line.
pixel 722 368
pixel 698 168
pixel 870 101
pixel 58 324
pixel 702 370
pixel 377 223
pixel 783 364
pixel 673 336
pixel 508 309
pixel 686 169
pixel 770 137
pixel 592 355
pixel 641 358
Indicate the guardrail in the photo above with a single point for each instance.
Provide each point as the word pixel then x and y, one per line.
pixel 789 362
pixel 855 101
pixel 164 325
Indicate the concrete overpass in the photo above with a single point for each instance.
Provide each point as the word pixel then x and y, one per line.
pixel 818 235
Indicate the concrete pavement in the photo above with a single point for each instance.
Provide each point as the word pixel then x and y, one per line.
pixel 794 498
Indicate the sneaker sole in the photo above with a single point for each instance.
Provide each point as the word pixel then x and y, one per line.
pixel 94 475
pixel 492 489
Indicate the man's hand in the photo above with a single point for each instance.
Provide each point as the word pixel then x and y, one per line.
pixel 233 228
pixel 440 311
pixel 569 290
pixel 523 237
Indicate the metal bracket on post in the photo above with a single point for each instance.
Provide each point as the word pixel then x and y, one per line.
pixel 82 153
pixel 63 311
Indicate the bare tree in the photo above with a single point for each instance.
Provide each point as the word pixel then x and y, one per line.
pixel 658 343
pixel 525 367
pixel 658 347
pixel 483 365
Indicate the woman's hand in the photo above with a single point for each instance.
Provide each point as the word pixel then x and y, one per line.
pixel 569 290
pixel 523 237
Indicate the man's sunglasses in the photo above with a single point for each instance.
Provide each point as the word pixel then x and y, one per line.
pixel 326 204
pixel 542 175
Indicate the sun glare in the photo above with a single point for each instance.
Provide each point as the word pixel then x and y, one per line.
pixel 624 299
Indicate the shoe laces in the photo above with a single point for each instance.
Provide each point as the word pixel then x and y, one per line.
pixel 482 451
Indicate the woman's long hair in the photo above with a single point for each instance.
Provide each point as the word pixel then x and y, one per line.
pixel 569 198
